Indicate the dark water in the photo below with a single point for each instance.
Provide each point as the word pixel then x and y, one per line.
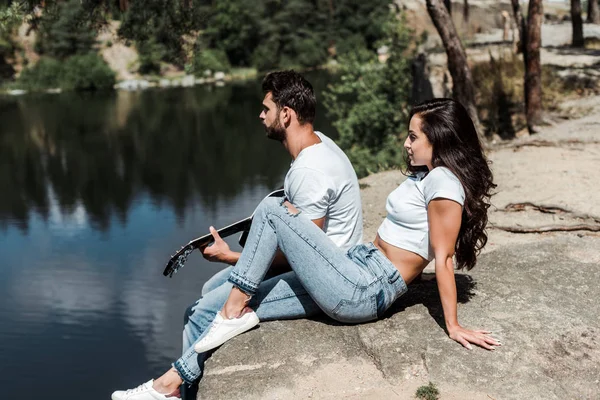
pixel 96 192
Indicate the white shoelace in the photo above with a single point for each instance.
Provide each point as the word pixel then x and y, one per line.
pixel 138 389
pixel 212 330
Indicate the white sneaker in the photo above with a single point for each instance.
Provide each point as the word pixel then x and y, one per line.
pixel 142 392
pixel 221 330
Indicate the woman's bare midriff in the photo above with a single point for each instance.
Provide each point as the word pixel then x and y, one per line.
pixel 409 264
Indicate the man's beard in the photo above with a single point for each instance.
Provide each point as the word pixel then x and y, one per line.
pixel 276 131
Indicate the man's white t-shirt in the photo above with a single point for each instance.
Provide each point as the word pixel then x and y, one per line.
pixel 321 183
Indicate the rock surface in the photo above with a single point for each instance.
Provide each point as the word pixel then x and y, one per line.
pixel 537 292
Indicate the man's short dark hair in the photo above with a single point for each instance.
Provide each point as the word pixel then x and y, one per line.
pixel 290 89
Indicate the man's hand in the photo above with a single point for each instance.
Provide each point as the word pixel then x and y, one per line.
pixel 219 251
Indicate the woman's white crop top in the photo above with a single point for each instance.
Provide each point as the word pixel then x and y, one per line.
pixel 406 225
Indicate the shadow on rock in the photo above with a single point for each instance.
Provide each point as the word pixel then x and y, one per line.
pixel 421 291
pixel 425 291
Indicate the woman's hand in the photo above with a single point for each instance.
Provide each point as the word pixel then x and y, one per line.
pixel 479 337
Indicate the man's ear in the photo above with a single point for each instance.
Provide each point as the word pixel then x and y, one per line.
pixel 286 116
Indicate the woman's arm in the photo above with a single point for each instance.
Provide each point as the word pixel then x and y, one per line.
pixel 444 224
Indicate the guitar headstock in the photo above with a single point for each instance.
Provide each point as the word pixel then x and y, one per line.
pixel 178 260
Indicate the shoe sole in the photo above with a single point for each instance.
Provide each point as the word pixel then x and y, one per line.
pixel 251 323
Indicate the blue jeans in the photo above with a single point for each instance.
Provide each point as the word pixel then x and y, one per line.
pixel 352 286
pixel 279 297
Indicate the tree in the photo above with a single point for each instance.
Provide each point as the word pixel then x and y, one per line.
pixel 448 4
pixel 533 66
pixel 577 23
pixel 520 21
pixel 66 29
pixel 157 27
pixel 234 28
pixel 463 89
pixel 530 34
pixel 593 14
pixel 466 11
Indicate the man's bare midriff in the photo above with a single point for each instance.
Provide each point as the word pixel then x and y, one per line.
pixel 409 264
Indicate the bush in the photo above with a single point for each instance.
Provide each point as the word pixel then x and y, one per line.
pixel 428 392
pixel 81 72
pixel 150 55
pixel 370 103
pixel 212 59
pixel 45 74
pixel 500 93
pixel 87 72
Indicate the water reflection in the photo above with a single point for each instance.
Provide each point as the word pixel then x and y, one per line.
pixel 100 152
pixel 96 191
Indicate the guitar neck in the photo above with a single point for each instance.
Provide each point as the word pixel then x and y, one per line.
pixel 223 232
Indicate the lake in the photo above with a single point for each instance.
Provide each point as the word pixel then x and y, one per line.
pixel 97 190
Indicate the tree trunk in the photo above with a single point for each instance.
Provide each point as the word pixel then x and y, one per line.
pixel 123 5
pixel 593 14
pixel 421 89
pixel 520 21
pixel 463 89
pixel 466 11
pixel 448 4
pixel 577 23
pixel 533 65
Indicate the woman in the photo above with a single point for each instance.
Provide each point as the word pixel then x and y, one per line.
pixel 440 211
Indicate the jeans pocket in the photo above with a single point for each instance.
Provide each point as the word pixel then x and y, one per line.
pixel 354 312
pixel 394 276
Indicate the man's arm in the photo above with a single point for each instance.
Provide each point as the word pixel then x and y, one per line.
pixel 307 190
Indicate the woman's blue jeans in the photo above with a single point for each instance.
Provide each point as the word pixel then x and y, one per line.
pixel 351 286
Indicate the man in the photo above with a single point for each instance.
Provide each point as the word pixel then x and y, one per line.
pixel 321 183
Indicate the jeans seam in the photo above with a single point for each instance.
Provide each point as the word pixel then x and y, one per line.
pixel 307 241
pixel 372 298
pixel 246 283
pixel 265 300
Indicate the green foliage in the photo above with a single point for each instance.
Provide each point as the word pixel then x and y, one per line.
pixel 233 27
pixel 87 72
pixel 79 72
pixel 370 103
pixel 150 55
pixel 294 33
pixel 362 23
pixel 10 19
pixel 428 392
pixel 66 29
pixel 211 59
pixel 157 27
pixel 264 34
pixel 44 75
